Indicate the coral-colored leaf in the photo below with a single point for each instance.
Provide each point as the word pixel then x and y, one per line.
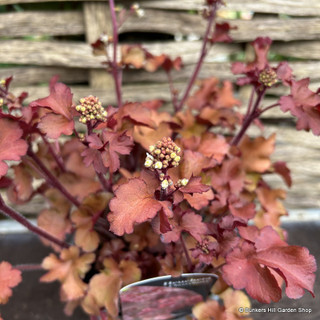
pixel 209 310
pixel 245 212
pixel 233 301
pixel 55 223
pixel 103 292
pixel 11 146
pixel 9 278
pixel 136 113
pixel 59 100
pixel 195 186
pixel 214 146
pixel 133 203
pixel 85 236
pixel 199 200
pixel 194 163
pixel 133 55
pixel 256 153
pixel 54 125
pixel 21 189
pixel 69 269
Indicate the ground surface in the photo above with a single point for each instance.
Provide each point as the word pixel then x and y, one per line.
pixel 33 300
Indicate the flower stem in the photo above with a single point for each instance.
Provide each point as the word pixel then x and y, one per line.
pixel 185 250
pixel 105 183
pixel 51 179
pixel 268 107
pixel 172 90
pixel 114 65
pixel 28 267
pixel 9 212
pixel 54 155
pixel 203 53
pixel 248 119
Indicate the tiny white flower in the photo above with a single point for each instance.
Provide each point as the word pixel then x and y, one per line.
pixel 158 165
pixel 164 184
pixel 184 181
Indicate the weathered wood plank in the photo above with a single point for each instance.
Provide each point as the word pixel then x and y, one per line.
pixel 97 22
pixel 39 75
pixel 71 54
pixel 48 53
pixel 107 96
pixel 290 7
pixel 158 21
pixel 184 23
pixel 298 49
pixel 41 23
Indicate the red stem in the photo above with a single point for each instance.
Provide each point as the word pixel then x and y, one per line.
pixel 173 91
pixel 22 220
pixel 268 107
pixel 54 155
pixel 115 69
pixel 204 51
pixel 106 185
pixel 185 250
pixel 28 267
pixel 248 120
pixel 51 179
pixel 250 103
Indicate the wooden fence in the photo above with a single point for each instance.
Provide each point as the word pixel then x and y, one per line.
pixel 293 25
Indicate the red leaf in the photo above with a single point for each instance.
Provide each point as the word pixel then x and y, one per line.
pixel 104 151
pixel 242 271
pixel 133 203
pixel 195 186
pixel 250 266
pixel 189 222
pixel 54 125
pixel 256 153
pixel 194 163
pixel 245 212
pixel 137 113
pixel 9 278
pixel 281 168
pixel 199 200
pixel 59 100
pixel 303 104
pixel 221 33
pixel 11 146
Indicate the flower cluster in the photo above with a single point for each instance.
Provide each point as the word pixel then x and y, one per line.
pixel 91 109
pixel 268 77
pixel 163 155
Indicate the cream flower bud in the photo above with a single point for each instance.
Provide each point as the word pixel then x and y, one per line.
pixel 151 148
pixel 158 165
pixel 184 181
pixel 173 155
pixel 164 184
pixel 177 159
pixel 148 163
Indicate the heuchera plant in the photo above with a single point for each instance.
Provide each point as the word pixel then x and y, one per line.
pixel 133 192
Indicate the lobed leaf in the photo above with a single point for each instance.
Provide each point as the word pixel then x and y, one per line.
pixel 9 278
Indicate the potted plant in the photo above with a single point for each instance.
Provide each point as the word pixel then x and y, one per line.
pixel 134 192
